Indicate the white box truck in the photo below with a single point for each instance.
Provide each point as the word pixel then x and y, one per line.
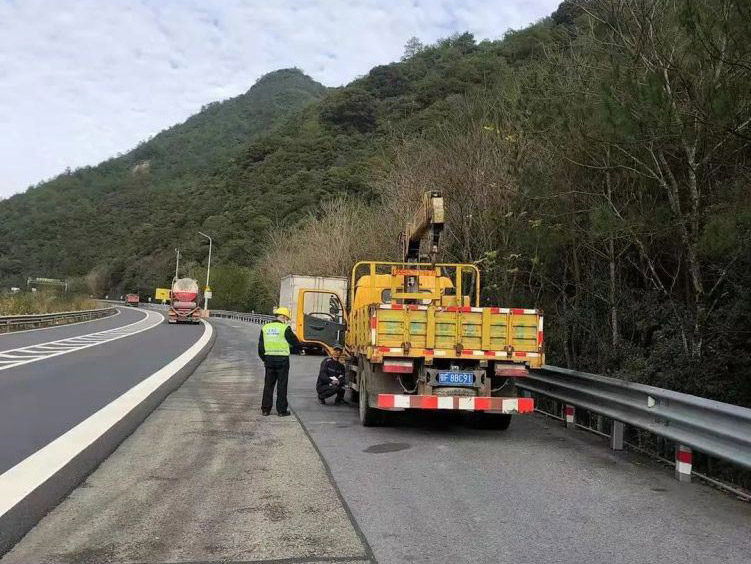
pixel 309 306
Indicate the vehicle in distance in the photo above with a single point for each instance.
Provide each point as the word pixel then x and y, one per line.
pixel 184 300
pixel 417 338
pixel 132 300
pixel 314 304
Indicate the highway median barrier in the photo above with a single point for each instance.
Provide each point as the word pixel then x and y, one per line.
pixel 12 323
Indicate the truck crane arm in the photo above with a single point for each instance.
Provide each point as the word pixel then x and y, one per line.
pixel 429 217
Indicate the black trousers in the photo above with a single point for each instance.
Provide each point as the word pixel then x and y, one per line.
pixel 277 374
pixel 330 390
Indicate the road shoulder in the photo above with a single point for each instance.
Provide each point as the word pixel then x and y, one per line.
pixel 204 478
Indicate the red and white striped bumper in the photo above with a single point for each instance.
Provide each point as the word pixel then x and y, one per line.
pixel 500 405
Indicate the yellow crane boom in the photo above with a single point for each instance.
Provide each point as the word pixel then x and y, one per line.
pixel 428 218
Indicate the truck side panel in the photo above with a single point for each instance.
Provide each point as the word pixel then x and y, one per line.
pixel 475 329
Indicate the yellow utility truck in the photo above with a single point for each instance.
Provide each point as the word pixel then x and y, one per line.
pixel 416 337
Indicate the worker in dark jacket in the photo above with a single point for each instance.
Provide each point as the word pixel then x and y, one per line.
pixel 331 377
pixel 275 344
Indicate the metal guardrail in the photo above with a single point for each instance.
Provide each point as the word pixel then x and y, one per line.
pixel 10 323
pixel 256 318
pixel 715 428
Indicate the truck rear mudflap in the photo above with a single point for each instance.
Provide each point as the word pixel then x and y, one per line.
pixel 184 316
pixel 492 404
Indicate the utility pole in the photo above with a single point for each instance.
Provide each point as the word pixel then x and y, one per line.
pixel 207 290
pixel 177 263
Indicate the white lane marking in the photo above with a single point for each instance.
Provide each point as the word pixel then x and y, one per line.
pixel 26 476
pixel 32 353
pixel 59 326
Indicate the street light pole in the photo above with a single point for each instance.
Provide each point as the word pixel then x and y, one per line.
pixel 177 263
pixel 208 272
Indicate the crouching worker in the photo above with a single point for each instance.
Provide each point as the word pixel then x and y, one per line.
pixel 331 377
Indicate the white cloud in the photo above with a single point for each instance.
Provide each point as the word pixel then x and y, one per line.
pixel 81 80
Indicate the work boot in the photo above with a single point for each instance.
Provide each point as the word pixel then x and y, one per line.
pixel 339 401
pixel 265 412
pixel 321 400
pixel 284 413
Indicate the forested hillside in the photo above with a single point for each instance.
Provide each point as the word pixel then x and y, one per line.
pixel 595 165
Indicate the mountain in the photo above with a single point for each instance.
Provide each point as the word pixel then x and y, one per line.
pixel 138 207
pixel 589 170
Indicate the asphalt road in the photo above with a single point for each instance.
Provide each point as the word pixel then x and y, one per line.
pixel 42 400
pixel 431 489
pixel 206 479
pixel 37 336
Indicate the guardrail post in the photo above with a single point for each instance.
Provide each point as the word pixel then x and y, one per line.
pixel 683 460
pixel 569 411
pixel 616 435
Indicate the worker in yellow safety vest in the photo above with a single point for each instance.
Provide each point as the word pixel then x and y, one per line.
pixel 275 344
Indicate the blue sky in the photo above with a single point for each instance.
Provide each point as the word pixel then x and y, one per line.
pixel 82 80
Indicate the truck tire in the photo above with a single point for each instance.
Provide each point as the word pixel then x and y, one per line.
pixel 369 416
pixel 496 421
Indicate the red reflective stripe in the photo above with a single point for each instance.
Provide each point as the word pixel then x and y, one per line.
pixel 465 309
pixel 526 405
pixel 482 404
pixel 385 400
pixel 428 351
pixel 520 354
pixel 517 311
pixel 569 410
pixel 373 322
pixel 495 310
pixel 384 349
pixel 539 338
pixel 414 307
pixel 426 402
pixel 467 351
pixel 452 309
pixel 397 306
pixel 683 456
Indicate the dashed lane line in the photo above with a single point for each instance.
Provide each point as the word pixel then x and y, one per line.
pixel 33 353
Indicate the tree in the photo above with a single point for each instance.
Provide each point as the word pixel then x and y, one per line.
pixel 684 108
pixel 349 109
pixel 412 48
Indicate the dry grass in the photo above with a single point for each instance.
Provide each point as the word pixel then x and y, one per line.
pixel 26 303
pixel 329 244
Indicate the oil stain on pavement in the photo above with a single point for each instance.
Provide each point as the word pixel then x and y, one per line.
pixel 386 447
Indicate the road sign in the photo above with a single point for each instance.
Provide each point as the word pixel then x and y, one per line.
pixel 207 294
pixel 161 294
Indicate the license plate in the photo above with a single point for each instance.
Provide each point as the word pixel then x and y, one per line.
pixel 456 378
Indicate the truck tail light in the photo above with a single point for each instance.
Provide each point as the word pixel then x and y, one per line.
pixel 511 371
pixel 398 366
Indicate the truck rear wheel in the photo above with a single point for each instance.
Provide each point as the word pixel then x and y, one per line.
pixel 369 416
